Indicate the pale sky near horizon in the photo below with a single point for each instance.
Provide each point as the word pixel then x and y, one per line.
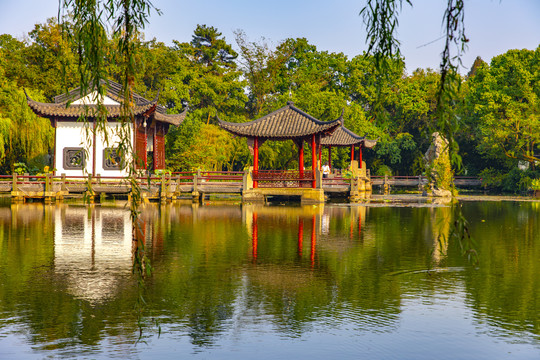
pixel 493 26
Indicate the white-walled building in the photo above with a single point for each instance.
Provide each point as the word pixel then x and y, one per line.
pixel 79 150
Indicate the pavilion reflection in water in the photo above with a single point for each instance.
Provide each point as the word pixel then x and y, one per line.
pixel 93 249
pixel 93 245
pixel 312 222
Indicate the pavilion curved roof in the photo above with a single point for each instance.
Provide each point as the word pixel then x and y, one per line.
pixel 345 137
pixel 288 122
pixel 63 106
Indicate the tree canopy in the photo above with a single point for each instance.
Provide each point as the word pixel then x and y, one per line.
pixel 241 81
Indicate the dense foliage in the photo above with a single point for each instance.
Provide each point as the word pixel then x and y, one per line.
pixel 497 104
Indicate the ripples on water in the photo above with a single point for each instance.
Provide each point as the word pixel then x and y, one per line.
pixel 235 282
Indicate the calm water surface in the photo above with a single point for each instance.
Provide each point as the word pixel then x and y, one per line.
pixel 270 282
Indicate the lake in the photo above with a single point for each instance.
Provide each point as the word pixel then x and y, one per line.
pixel 347 281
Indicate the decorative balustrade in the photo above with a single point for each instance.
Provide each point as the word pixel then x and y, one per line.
pixel 283 178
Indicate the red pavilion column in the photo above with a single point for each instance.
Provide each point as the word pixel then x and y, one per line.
pixel 301 160
pixel 255 162
pixel 360 156
pixel 313 160
pixel 352 153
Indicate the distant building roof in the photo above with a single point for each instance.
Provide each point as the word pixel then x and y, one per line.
pixel 345 137
pixel 64 106
pixel 289 122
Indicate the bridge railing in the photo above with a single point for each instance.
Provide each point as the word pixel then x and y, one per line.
pixel 283 178
pixel 221 176
pixel 336 180
pixel 265 178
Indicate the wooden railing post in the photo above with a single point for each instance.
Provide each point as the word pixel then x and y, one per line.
pixel 47 183
pixel 195 192
pixel 63 187
pixel 90 190
pixel 163 187
pixel 177 187
pixel 14 183
pixel 318 179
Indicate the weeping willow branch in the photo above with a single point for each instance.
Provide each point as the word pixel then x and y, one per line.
pixel 126 18
pixel 381 20
pixel 448 123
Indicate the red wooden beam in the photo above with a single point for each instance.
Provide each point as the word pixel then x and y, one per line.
pixel 301 159
pixel 360 156
pixel 313 160
pixel 255 161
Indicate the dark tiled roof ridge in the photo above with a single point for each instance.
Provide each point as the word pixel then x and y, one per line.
pixel 51 109
pixel 113 90
pixel 114 111
pixel 345 137
pixel 290 105
pixel 352 134
pixel 63 107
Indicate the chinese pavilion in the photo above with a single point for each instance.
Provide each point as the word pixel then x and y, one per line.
pixel 344 137
pixel 78 151
pixel 286 123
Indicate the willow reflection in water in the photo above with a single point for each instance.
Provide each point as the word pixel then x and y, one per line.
pixel 272 281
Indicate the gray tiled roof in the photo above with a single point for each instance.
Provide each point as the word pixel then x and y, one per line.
pixel 62 106
pixel 345 137
pixel 286 123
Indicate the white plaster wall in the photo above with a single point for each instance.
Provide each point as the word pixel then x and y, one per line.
pixel 114 139
pixel 70 134
pixel 73 134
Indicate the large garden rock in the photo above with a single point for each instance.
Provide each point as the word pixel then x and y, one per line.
pixel 438 169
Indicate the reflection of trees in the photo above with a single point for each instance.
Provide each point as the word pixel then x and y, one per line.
pixel 332 265
pixel 298 275
pixel 505 291
pixel 37 290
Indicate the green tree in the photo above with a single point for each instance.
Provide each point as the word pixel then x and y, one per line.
pixel 504 99
pixel 263 68
pixel 215 86
pixel 24 137
pixel 206 77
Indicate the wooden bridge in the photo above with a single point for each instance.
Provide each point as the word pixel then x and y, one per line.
pixel 188 185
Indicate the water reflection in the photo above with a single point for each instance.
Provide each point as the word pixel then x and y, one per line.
pixel 92 249
pixel 264 274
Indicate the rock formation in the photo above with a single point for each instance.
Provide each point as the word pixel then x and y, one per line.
pixel 438 169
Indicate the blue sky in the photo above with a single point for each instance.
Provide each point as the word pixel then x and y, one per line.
pixel 493 26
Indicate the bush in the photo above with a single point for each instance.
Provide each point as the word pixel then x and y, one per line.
pixel 383 170
pixel 491 178
pixel 535 185
pixel 513 181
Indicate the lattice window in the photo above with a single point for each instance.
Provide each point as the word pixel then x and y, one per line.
pixel 111 159
pixel 74 158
